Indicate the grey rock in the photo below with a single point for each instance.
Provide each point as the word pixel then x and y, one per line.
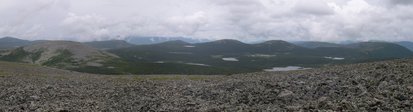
pixel 285 93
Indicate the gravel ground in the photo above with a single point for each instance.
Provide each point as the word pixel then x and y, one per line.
pixel 380 86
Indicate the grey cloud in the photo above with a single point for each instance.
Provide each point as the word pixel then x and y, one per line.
pixel 401 2
pixel 313 8
pixel 250 20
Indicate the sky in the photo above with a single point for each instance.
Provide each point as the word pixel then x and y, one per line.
pixel 246 20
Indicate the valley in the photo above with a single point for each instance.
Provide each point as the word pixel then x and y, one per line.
pixel 232 56
pixel 206 56
pixel 224 56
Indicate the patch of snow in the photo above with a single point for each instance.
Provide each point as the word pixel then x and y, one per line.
pixel 230 59
pixel 159 62
pixel 288 68
pixel 197 64
pixel 334 58
pixel 261 55
pixel 189 46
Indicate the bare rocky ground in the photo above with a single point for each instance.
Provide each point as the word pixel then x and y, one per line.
pixel 380 86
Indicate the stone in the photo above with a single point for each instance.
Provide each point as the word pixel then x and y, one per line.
pixel 285 93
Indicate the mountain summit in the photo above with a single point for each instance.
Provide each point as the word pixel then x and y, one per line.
pixel 11 42
pixel 273 46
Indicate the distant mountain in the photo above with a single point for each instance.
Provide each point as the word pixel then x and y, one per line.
pixel 348 42
pixel 173 43
pixel 156 40
pixel 315 44
pixel 278 46
pixel 406 44
pixel 225 46
pixel 109 44
pixel 11 42
pixel 223 43
pixel 62 54
pixel 382 49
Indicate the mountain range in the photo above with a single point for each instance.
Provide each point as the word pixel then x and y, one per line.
pixel 109 44
pixel 139 40
pixel 180 57
pixel 315 44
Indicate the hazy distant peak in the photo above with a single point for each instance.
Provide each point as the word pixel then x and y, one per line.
pixel 275 42
pixel 316 44
pixel 57 44
pixel 369 44
pixel 11 42
pixel 11 39
pixel 227 41
pixel 113 40
pixel 109 44
pixel 279 43
pixel 175 42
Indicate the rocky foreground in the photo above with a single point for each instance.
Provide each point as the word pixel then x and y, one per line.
pixel 380 86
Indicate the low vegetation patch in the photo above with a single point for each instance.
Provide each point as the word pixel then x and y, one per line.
pixel 16 55
pixel 36 56
pixel 64 57
pixel 2 74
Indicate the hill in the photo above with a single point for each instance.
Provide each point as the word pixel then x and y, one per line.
pixel 407 44
pixel 61 54
pixel 315 44
pixel 11 42
pixel 109 44
pixel 379 86
pixel 382 50
pixel 278 46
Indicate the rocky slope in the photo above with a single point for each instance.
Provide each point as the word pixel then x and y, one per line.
pixel 380 86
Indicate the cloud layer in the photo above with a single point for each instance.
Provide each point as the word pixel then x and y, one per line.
pixel 248 20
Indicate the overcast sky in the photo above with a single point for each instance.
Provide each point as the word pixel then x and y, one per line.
pixel 248 20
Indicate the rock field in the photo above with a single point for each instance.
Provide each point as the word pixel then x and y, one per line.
pixel 379 86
